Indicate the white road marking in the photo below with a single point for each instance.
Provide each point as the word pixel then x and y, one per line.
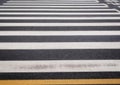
pixel 58 24
pixel 59 33
pixel 97 4
pixel 57 9
pixel 105 6
pixel 56 13
pixel 60 18
pixel 60 66
pixel 61 45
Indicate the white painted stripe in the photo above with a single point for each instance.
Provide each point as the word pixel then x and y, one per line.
pixel 57 9
pixel 88 2
pixel 59 18
pixel 101 4
pixel 61 45
pixel 60 66
pixel 56 13
pixel 61 4
pixel 58 24
pixel 19 1
pixel 52 1
pixel 58 1
pixel 55 6
pixel 58 33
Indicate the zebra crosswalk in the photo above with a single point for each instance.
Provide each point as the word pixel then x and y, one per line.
pixel 59 42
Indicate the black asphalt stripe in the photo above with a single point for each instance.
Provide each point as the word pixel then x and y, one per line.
pixel 61 75
pixel 56 21
pixel 69 28
pixel 59 38
pixel 82 54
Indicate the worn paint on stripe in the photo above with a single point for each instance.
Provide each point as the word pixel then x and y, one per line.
pixel 60 66
pixel 61 81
